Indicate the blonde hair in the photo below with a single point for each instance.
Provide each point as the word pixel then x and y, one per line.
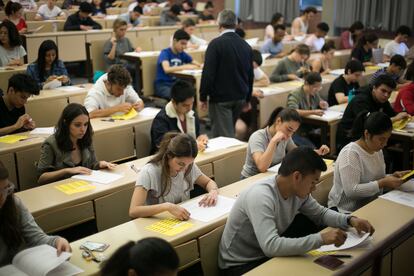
pixel 118 23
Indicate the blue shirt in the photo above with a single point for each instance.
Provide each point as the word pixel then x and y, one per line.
pixel 271 48
pixel 127 18
pixel 173 60
pixel 383 71
pixel 58 69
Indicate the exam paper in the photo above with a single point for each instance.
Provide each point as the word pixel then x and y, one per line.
pixel 337 72
pixel 222 143
pixel 275 168
pixel 331 114
pixel 407 186
pixel 400 197
pixel 149 112
pixel 271 90
pixel 99 177
pixel 206 214
pixel 70 88
pixel 353 239
pixel 252 41
pixel 192 71
pixel 52 84
pixel 43 130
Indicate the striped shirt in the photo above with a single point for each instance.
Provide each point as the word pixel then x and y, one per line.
pixel 383 71
pixel 356 178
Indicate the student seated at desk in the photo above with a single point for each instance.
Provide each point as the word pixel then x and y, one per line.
pixel 306 101
pixel 351 36
pixel 405 97
pixel 149 256
pixel 49 11
pixel 398 46
pixel 359 175
pixel 178 116
pixel 11 49
pixel 28 5
pixel 170 17
pixel 322 63
pixel 168 179
pixel 346 84
pixel 172 59
pixel 69 151
pixel 132 17
pixel 112 93
pixel 269 145
pixel 14 13
pixel 98 8
pixel 363 49
pixel 13 116
pixel 371 100
pixel 316 40
pixel 277 19
pixel 81 20
pixel 395 70
pixel 18 229
pixel 300 24
pixel 206 16
pixel 274 46
pixel 144 4
pixel 195 42
pixel 277 216
pixel 48 67
pixel 187 7
pixel 293 66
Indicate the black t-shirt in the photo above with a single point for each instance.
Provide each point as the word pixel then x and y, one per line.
pixel 205 17
pixel 9 117
pixel 362 102
pixel 360 54
pixel 339 85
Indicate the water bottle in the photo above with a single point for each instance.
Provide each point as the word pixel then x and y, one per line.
pixel 351 94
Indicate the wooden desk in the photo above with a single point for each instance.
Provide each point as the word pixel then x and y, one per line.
pixel 154 20
pixel 387 217
pixel 53 210
pixel 136 230
pixel 125 133
pixel 7 72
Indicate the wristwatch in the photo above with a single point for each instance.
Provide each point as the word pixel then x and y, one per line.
pixel 348 220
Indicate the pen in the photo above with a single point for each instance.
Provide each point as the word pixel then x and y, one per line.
pixel 134 168
pixel 340 255
pixel 108 120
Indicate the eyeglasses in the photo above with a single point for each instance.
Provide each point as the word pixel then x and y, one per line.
pixel 8 190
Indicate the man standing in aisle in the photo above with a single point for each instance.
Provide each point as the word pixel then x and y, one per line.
pixel 227 76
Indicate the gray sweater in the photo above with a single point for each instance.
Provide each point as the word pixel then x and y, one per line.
pixel 259 217
pixel 284 68
pixel 32 235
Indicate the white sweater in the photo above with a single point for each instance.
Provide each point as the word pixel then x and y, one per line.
pixel 355 178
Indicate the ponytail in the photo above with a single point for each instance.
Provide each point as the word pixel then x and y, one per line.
pixel 285 115
pixel 375 123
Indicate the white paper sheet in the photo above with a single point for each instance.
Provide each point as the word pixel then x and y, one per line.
pixel 267 91
pixel 275 168
pixel 70 88
pixel 149 112
pixel 407 186
pixel 352 240
pixel 52 84
pixel 338 108
pixel 252 41
pixel 222 143
pixel 99 177
pixel 43 130
pixel 384 64
pixel 143 54
pixel 400 197
pixel 299 37
pixel 337 72
pixel 206 214
pixel 193 71
pixel 265 56
pixel 331 114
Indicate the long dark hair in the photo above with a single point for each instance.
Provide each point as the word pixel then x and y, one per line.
pixel 10 224
pixel 62 132
pixel 376 123
pixel 285 114
pixel 13 33
pixel 149 256
pixel 366 38
pixel 46 46
pixel 173 144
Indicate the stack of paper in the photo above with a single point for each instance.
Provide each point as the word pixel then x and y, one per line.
pixel 70 88
pixel 331 115
pixel 99 177
pixel 13 138
pixel 143 54
pixel 149 112
pixel 206 214
pixel 52 84
pixel 127 116
pixel 272 90
pixel 43 130
pixel 353 239
pixel 400 197
pixel 222 143
pixel 337 72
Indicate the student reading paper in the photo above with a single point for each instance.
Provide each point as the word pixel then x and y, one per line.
pixel 168 179
pixel 69 151
pixel 277 215
pixel 18 229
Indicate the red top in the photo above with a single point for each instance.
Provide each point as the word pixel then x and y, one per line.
pixel 184 125
pixel 21 25
pixel 345 40
pixel 405 100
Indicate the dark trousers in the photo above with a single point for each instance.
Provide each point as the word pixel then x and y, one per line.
pixel 301 226
pixel 223 117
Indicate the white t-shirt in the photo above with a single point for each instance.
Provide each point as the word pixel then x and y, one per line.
pixel 46 13
pixel 98 96
pixel 315 43
pixel 150 179
pixel 258 73
pixel 393 48
pixel 269 32
pixel 6 56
